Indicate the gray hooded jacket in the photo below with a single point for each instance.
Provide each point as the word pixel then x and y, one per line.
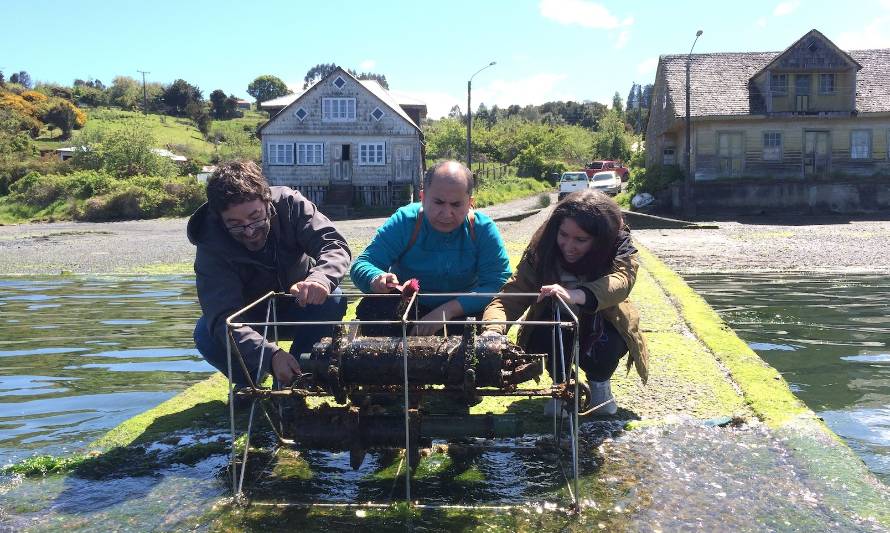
pixel 305 246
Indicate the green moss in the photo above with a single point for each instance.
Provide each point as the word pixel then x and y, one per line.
pixel 470 475
pixel 162 269
pixel 119 462
pixel 290 465
pixel 194 454
pixel 433 465
pixel 765 391
pixel 201 405
pixel 43 465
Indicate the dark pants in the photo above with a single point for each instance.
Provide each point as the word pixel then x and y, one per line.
pixel 386 308
pixel 598 357
pixel 304 337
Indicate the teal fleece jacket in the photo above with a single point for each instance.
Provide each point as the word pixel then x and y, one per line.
pixel 442 262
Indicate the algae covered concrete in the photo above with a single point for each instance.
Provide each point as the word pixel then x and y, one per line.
pixel 699 371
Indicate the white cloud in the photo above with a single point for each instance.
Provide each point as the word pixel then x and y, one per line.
pixel 582 13
pixel 623 37
pixel 875 34
pixel 647 66
pixel 761 22
pixel 786 8
pixel 367 65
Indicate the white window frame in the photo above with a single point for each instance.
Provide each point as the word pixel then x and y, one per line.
pixel 336 109
pixel 280 153
pixel 773 152
pixel 860 154
pixel 372 153
pixel 305 113
pixel 309 153
pixel 827 76
pixel 776 89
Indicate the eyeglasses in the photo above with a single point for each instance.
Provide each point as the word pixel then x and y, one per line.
pixel 253 226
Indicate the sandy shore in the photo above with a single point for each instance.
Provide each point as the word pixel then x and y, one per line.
pixel 154 246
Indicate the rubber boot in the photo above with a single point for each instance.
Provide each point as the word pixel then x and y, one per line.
pixel 601 391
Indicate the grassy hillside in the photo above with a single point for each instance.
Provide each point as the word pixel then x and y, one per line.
pixel 178 134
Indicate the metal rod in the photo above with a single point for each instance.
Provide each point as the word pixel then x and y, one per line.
pixel 232 417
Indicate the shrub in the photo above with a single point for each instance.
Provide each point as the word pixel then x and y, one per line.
pixel 653 179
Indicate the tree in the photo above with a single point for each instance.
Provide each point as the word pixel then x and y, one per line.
pixel 22 78
pixel 180 94
pixel 218 104
pixel 2 79
pixel 455 112
pixel 611 140
pixel 122 152
pixel 125 92
pixel 64 115
pixel 267 87
pixel 197 111
pixel 316 73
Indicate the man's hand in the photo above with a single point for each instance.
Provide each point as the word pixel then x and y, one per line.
pixel 385 283
pixel 285 368
pixel 309 292
pixel 446 311
pixel 576 296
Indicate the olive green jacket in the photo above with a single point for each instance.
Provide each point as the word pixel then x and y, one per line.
pixel 611 293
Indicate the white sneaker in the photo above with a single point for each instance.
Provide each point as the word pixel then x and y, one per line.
pixel 553 406
pixel 600 392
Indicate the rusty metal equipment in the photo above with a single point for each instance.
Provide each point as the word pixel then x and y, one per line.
pixel 391 390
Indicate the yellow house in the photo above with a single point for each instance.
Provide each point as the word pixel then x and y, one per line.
pixel 807 127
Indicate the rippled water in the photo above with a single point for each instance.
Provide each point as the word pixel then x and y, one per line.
pixel 829 336
pixel 78 356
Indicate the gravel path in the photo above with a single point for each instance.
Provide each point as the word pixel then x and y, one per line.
pixel 799 244
pixel 152 246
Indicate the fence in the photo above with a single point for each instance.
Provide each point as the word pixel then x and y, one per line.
pixel 381 195
pixel 488 172
pixel 314 193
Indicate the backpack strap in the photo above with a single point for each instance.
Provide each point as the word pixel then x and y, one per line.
pixel 471 219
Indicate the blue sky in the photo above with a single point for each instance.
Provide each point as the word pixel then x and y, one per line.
pixel 545 49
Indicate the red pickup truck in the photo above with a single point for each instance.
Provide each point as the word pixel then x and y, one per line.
pixel 598 166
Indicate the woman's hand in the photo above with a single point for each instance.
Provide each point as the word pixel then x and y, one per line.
pixel 576 296
pixel 385 283
pixel 446 311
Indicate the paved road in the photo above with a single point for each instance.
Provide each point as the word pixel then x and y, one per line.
pixel 156 245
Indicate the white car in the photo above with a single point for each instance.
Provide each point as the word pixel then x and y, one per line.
pixel 608 182
pixel 570 182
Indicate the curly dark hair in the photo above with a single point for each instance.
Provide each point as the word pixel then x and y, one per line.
pixel 235 182
pixel 598 215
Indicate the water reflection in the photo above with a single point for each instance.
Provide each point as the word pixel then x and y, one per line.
pixel 79 356
pixel 827 334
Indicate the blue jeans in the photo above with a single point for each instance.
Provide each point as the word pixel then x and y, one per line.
pixel 214 350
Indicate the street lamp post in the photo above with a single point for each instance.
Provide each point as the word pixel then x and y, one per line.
pixel 470 116
pixel 688 184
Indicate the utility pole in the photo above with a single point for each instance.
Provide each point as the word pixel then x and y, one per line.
pixel 470 117
pixel 144 94
pixel 688 200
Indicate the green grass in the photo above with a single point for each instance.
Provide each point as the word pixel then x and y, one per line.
pixel 177 132
pixel 510 188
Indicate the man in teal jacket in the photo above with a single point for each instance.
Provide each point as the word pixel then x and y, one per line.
pixel 443 244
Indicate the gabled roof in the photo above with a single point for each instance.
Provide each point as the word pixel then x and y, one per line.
pixel 391 100
pixel 807 37
pixel 720 83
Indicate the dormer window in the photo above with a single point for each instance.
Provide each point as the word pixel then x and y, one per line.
pixel 339 82
pixel 827 83
pixel 377 114
pixel 778 84
pixel 301 114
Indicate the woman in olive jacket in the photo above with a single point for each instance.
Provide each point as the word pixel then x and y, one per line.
pixel 583 253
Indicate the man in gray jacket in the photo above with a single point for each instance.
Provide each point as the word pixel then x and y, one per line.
pixel 253 239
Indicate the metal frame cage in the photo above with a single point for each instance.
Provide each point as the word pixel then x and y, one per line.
pixel 566 386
